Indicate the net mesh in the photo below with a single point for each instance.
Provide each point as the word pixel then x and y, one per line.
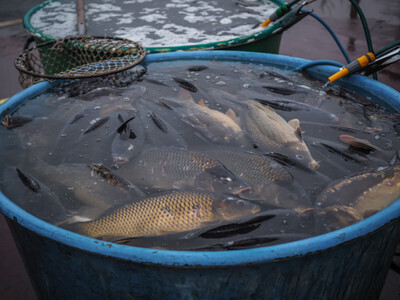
pixel 77 57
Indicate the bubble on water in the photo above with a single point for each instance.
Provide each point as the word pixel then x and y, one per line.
pixel 246 85
pixel 97 107
pixel 71 188
pixel 220 82
pixel 63 134
pixel 284 222
pixel 126 99
pixel 50 153
pixel 318 203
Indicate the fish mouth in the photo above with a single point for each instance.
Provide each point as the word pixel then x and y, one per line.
pixel 314 165
pixel 240 190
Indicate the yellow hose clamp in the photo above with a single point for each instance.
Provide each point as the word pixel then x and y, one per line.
pixel 354 66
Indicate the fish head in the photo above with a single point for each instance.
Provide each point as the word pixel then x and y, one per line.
pixel 302 155
pixel 220 180
pixel 231 208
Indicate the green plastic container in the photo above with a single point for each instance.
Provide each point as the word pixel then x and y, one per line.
pixel 266 40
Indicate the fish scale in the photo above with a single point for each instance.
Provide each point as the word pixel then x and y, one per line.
pixel 257 170
pixel 168 168
pixel 174 211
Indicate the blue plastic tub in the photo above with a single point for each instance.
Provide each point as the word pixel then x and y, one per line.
pixel 350 263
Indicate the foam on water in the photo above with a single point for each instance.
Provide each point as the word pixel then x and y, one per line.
pixel 175 23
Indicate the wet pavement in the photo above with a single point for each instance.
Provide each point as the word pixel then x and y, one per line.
pixel 308 39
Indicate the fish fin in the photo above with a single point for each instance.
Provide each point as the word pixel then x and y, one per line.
pixel 202 103
pixel 295 124
pixel 132 135
pixel 231 114
pixel 185 96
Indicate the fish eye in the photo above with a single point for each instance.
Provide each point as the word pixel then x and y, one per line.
pixel 299 156
pixel 240 203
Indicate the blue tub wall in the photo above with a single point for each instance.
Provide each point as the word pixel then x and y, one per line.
pixel 354 270
pixel 350 263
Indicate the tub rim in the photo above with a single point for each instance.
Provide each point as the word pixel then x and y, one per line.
pixel 242 40
pixel 214 258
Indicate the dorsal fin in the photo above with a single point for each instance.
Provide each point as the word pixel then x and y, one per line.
pixel 231 114
pixel 295 124
pixel 185 96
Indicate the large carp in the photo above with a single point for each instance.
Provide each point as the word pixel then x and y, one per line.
pixel 273 134
pixel 174 211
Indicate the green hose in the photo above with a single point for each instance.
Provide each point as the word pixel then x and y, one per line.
pixel 366 30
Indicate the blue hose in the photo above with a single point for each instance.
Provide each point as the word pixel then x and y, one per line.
pixel 317 63
pixel 331 32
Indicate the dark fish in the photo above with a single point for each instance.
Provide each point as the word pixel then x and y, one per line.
pixel 175 211
pixel 124 130
pixel 28 181
pixel 279 90
pixel 87 138
pixel 344 152
pixel 294 106
pixel 239 227
pixel 167 168
pixel 126 144
pixel 77 117
pixel 160 124
pixel 33 195
pixel 96 124
pixel 114 179
pixel 158 131
pixel 15 121
pixel 197 68
pixel 185 84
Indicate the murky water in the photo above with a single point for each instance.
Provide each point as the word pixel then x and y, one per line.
pixel 299 158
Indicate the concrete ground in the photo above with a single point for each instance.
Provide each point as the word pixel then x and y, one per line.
pixel 308 39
